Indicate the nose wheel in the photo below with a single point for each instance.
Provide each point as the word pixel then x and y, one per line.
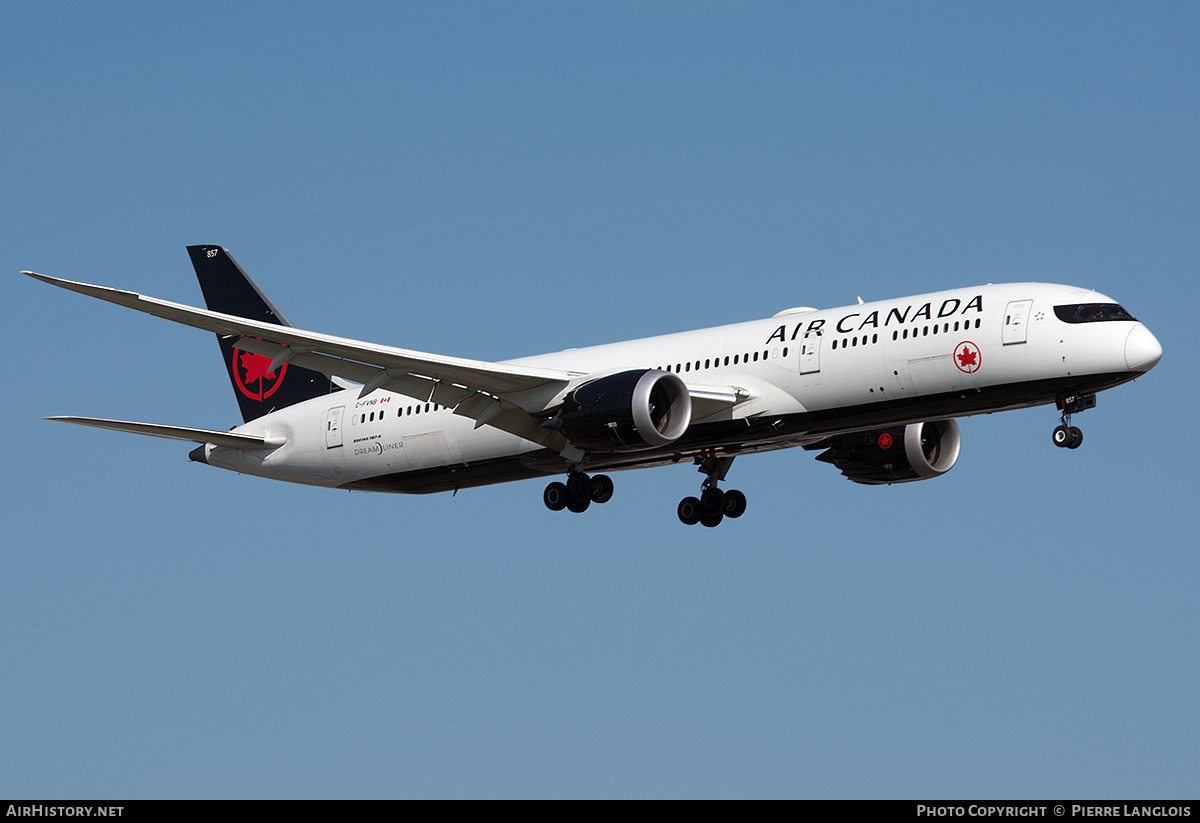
pixel 578 493
pixel 713 505
pixel 1068 437
pixel 1065 435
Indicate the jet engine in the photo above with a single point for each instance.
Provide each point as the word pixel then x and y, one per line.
pixel 901 454
pixel 629 411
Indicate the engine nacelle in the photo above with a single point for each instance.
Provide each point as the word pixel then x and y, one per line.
pixel 903 454
pixel 629 411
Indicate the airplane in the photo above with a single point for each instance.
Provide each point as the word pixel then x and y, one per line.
pixel 875 388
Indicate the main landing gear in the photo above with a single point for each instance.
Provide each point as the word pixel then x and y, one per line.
pixel 713 505
pixel 579 492
pixel 1065 435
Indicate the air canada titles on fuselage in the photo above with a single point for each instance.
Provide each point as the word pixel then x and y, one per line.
pixel 847 324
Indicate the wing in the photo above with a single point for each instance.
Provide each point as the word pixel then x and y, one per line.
pixel 449 381
pixel 489 393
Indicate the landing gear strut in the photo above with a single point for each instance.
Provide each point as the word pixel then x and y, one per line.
pixel 1065 435
pixel 713 505
pixel 578 493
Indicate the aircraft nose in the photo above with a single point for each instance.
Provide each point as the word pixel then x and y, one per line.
pixel 1142 350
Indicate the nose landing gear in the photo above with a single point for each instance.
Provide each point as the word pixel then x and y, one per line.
pixel 1068 437
pixel 713 505
pixel 1065 435
pixel 578 493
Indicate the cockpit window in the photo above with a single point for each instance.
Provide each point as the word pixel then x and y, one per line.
pixel 1091 313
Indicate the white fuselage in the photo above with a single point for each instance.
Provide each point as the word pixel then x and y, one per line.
pixel 801 376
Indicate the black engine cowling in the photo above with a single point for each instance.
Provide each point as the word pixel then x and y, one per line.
pixel 629 411
pixel 901 454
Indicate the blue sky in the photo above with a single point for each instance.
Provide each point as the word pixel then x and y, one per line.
pixel 499 179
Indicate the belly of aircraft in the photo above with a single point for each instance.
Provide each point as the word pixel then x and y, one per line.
pixel 737 437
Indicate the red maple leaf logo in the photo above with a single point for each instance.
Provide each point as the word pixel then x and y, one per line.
pixel 966 357
pixel 254 376
pixel 255 366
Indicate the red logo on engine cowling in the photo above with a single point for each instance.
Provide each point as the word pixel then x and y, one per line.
pixel 251 375
pixel 885 441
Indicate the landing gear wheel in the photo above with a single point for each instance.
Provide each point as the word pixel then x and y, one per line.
pixel 1067 436
pixel 602 488
pixel 579 492
pixel 689 511
pixel 579 486
pixel 735 503
pixel 555 497
pixel 1062 436
pixel 712 502
pixel 713 505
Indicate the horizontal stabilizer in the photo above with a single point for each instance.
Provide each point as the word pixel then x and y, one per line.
pixel 227 439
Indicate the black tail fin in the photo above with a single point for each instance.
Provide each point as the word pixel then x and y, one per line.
pixel 228 289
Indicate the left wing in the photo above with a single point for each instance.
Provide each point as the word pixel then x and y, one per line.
pixel 489 393
pixel 449 381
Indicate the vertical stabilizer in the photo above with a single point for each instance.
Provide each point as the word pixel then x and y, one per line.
pixel 228 289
